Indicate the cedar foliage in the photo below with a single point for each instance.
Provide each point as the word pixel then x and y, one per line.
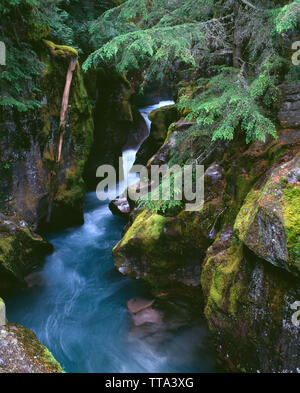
pixel 160 35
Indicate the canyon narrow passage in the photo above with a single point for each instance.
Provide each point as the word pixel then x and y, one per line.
pixel 76 305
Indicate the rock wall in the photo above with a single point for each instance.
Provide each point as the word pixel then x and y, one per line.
pixel 117 122
pixel 239 256
pixel 36 192
pixel 28 144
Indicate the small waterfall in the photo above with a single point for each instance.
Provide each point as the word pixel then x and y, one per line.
pixel 129 155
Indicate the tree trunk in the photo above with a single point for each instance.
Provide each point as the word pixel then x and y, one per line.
pixel 64 106
pixel 62 123
pixel 237 52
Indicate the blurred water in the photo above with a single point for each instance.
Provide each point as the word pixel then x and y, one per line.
pixel 77 307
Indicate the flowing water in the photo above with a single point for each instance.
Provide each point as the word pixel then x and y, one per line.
pixel 76 305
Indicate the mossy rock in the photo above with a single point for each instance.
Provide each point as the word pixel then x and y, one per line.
pixel 21 251
pixel 220 281
pixel 61 50
pixel 269 221
pixel 20 352
pixel 165 251
pixel 68 185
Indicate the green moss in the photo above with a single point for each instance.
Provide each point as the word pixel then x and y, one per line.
pixel 246 214
pixel 219 279
pixel 291 212
pixel 36 352
pixel 17 251
pixel 235 295
pixel 148 227
pixel 50 362
pixel 161 119
pixel 61 50
pixel 7 252
pixel 73 189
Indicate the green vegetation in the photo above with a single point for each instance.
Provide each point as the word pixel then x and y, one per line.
pixel 24 23
pixel 160 38
pixel 156 203
pixel 291 201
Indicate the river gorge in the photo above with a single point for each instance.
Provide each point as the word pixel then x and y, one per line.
pixel 76 304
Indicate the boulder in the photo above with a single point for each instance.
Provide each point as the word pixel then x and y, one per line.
pixel 136 305
pixel 269 221
pixel 20 352
pixel 248 306
pixel 120 207
pixel 21 251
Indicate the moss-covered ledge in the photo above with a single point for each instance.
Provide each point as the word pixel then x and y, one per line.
pixel 61 50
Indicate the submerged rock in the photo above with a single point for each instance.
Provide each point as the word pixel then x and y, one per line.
pixel 136 305
pixel 20 352
pixel 148 315
pixel 142 311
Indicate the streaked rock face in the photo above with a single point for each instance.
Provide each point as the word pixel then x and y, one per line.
pixel 289 113
pixel 269 221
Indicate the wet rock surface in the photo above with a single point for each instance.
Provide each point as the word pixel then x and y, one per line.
pixel 2 313
pixel 120 207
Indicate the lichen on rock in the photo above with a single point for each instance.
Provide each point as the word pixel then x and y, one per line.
pixel 20 352
pixel 268 222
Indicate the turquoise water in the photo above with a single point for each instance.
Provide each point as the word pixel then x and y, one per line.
pixel 76 305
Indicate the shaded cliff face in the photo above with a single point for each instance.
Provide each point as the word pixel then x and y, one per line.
pixel 36 192
pixel 28 144
pixel 117 122
pixel 240 254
